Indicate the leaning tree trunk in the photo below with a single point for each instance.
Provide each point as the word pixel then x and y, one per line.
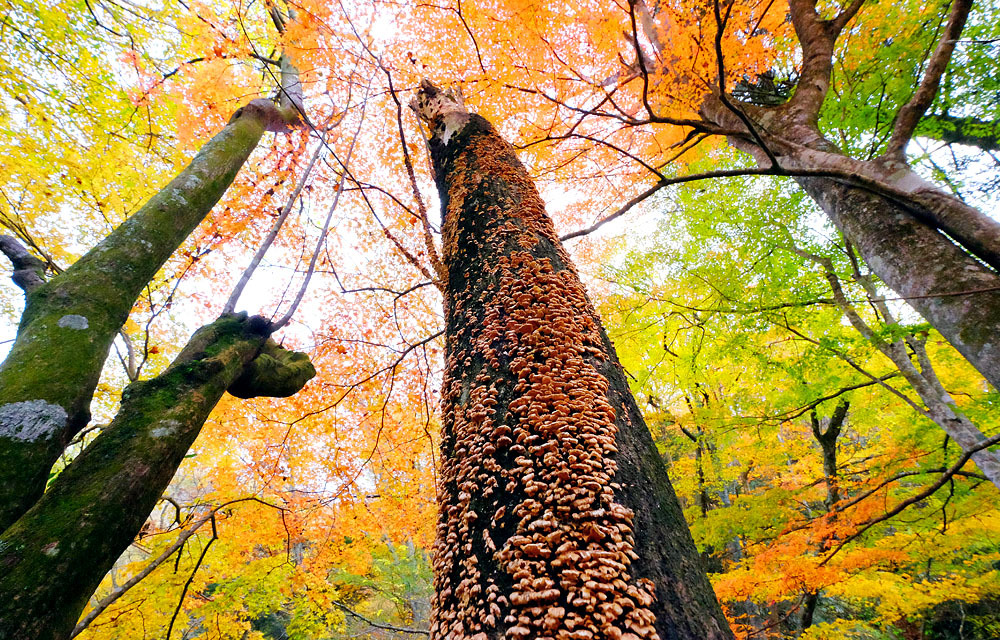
pixel 957 294
pixel 54 557
pixel 557 519
pixel 69 322
pixel 895 219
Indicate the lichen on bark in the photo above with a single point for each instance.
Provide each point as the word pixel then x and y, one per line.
pixel 70 321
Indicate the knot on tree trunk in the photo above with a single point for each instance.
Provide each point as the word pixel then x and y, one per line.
pixel 276 372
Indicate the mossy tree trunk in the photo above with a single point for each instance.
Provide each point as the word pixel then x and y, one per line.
pixel 54 557
pixel 48 379
pixel 557 519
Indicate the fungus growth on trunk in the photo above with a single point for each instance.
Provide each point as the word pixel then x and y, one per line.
pixel 556 518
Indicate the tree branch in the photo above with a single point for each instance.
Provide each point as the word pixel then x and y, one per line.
pixel 187 585
pixel 909 115
pixel 378 625
pixel 117 593
pixel 269 240
pixel 285 319
pixel 28 270
pixel 845 15
pixel 940 482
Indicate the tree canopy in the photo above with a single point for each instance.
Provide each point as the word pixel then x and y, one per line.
pixel 780 211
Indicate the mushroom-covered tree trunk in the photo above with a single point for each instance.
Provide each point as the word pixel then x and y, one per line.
pixel 48 378
pixel 557 519
pixel 54 556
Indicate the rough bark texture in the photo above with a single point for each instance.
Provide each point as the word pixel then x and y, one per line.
pixel 557 519
pixel 957 294
pixel 54 557
pixel 69 323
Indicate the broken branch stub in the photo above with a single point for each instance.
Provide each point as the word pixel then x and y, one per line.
pixel 443 110
pixel 275 373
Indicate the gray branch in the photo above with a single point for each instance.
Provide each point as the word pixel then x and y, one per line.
pixel 28 270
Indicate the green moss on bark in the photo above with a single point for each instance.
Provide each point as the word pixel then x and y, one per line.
pixel 53 557
pixel 70 322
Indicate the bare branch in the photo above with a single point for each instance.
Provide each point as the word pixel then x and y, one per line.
pixel 720 27
pixel 285 319
pixel 845 15
pixel 185 535
pixel 432 253
pixel 130 364
pixel 617 214
pixel 187 585
pixel 269 240
pixel 940 482
pixel 379 625
pixel 795 413
pixel 117 593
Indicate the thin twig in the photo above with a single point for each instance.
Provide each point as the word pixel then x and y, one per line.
pixel 940 482
pixel 187 585
pixel 285 319
pixel 269 240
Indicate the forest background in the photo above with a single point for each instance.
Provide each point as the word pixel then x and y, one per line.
pixel 822 493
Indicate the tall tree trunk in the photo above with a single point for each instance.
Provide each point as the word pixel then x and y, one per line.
pixel 54 557
pixel 48 378
pixel 557 519
pixel 957 294
pixel 808 610
pixel 897 220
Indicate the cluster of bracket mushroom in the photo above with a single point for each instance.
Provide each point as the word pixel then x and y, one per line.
pixel 531 542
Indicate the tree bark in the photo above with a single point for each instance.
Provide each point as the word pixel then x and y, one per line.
pixel 69 322
pixel 941 407
pixel 827 439
pixel 897 220
pixel 896 233
pixel 557 519
pixel 954 292
pixel 54 557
